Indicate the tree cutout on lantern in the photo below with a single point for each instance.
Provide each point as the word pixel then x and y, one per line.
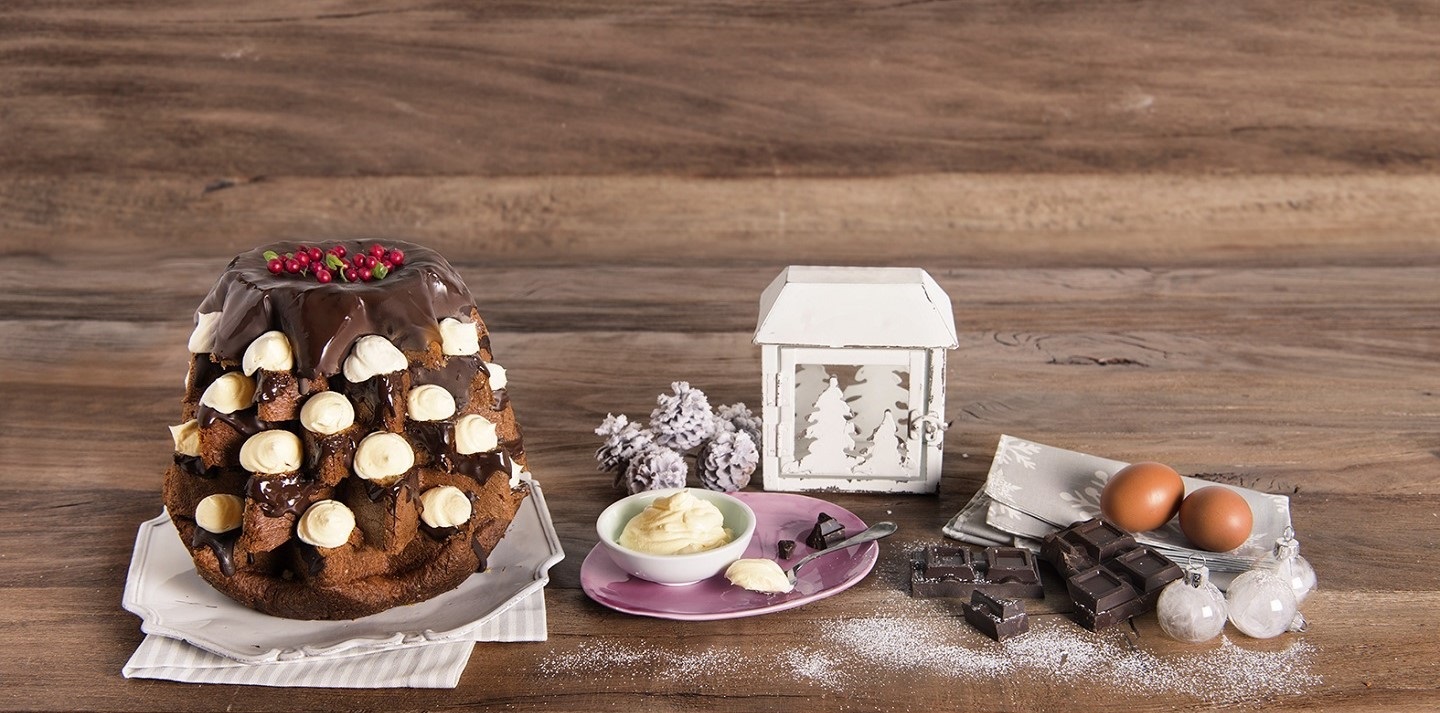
pixel 811 380
pixel 888 452
pixel 840 347
pixel 831 433
pixel 877 390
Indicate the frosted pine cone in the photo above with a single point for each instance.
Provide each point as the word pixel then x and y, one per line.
pixel 727 461
pixel 623 441
pixel 655 469
pixel 738 417
pixel 682 421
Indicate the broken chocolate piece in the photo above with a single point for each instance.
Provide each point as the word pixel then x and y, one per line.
pixel 1109 576
pixel 786 548
pixel 996 617
pixel 827 531
pixel 958 571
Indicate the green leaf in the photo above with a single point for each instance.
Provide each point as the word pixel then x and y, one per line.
pixel 269 255
pixel 334 262
pixel 379 271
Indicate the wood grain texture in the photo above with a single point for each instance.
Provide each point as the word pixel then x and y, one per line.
pixel 726 88
pixel 1206 234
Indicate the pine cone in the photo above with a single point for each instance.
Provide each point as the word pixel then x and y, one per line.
pixel 623 442
pixel 682 421
pixel 727 461
pixel 655 469
pixel 738 417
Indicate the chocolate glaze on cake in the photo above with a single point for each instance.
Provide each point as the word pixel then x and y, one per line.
pixel 455 376
pixel 391 557
pixel 324 320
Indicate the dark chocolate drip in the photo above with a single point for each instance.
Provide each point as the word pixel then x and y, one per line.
pixel 380 393
pixel 306 386
pixel 480 466
pixel 455 375
pixel 323 321
pixel 310 557
pixel 437 438
pixel 340 445
pixel 438 533
pixel 502 399
pixel 195 465
pixel 402 487
pixel 222 544
pixel 485 344
pixel 515 447
pixel 280 495
pixel 481 553
pixel 268 386
pixel 246 421
pixel 205 372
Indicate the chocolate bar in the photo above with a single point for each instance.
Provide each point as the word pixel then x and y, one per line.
pixel 959 571
pixel 996 617
pixel 1109 576
pixel 827 531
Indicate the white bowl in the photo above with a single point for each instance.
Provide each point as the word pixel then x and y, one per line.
pixel 675 570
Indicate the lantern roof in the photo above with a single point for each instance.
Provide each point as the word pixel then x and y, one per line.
pixel 855 307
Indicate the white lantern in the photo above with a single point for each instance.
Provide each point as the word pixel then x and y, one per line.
pixel 854 379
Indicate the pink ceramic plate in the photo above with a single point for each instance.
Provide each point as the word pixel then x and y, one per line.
pixel 779 516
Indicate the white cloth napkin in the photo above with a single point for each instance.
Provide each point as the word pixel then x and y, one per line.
pixel 427 665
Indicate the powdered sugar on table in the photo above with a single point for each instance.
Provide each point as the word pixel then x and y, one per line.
pixel 909 638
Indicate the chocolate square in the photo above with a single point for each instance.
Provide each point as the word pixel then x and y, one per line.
pixel 1101 539
pixel 1010 564
pixel 1147 570
pixel 1100 589
pixel 1123 578
pixel 996 617
pixel 944 561
pixel 826 532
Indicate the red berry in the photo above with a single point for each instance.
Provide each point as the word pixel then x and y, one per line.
pixel 389 265
pixel 366 275
pixel 316 255
pixel 276 266
pixel 371 262
pixel 292 265
pixel 323 275
pixel 358 261
pixel 397 257
pixel 339 251
pixel 351 275
pixel 302 258
pixel 377 250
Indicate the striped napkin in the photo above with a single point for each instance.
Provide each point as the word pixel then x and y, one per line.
pixel 424 665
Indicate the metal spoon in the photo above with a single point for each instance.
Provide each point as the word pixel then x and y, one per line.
pixel 869 534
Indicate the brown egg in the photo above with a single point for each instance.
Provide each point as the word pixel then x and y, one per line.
pixel 1142 496
pixel 1216 519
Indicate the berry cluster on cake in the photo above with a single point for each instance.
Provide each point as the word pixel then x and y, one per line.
pixel 347 444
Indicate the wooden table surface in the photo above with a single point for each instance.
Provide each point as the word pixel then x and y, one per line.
pixel 1201 233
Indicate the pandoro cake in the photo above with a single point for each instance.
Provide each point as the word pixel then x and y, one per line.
pixel 346 442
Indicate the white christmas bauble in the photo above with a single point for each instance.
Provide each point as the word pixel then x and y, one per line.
pixel 1261 604
pixel 1192 609
pixel 1287 564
